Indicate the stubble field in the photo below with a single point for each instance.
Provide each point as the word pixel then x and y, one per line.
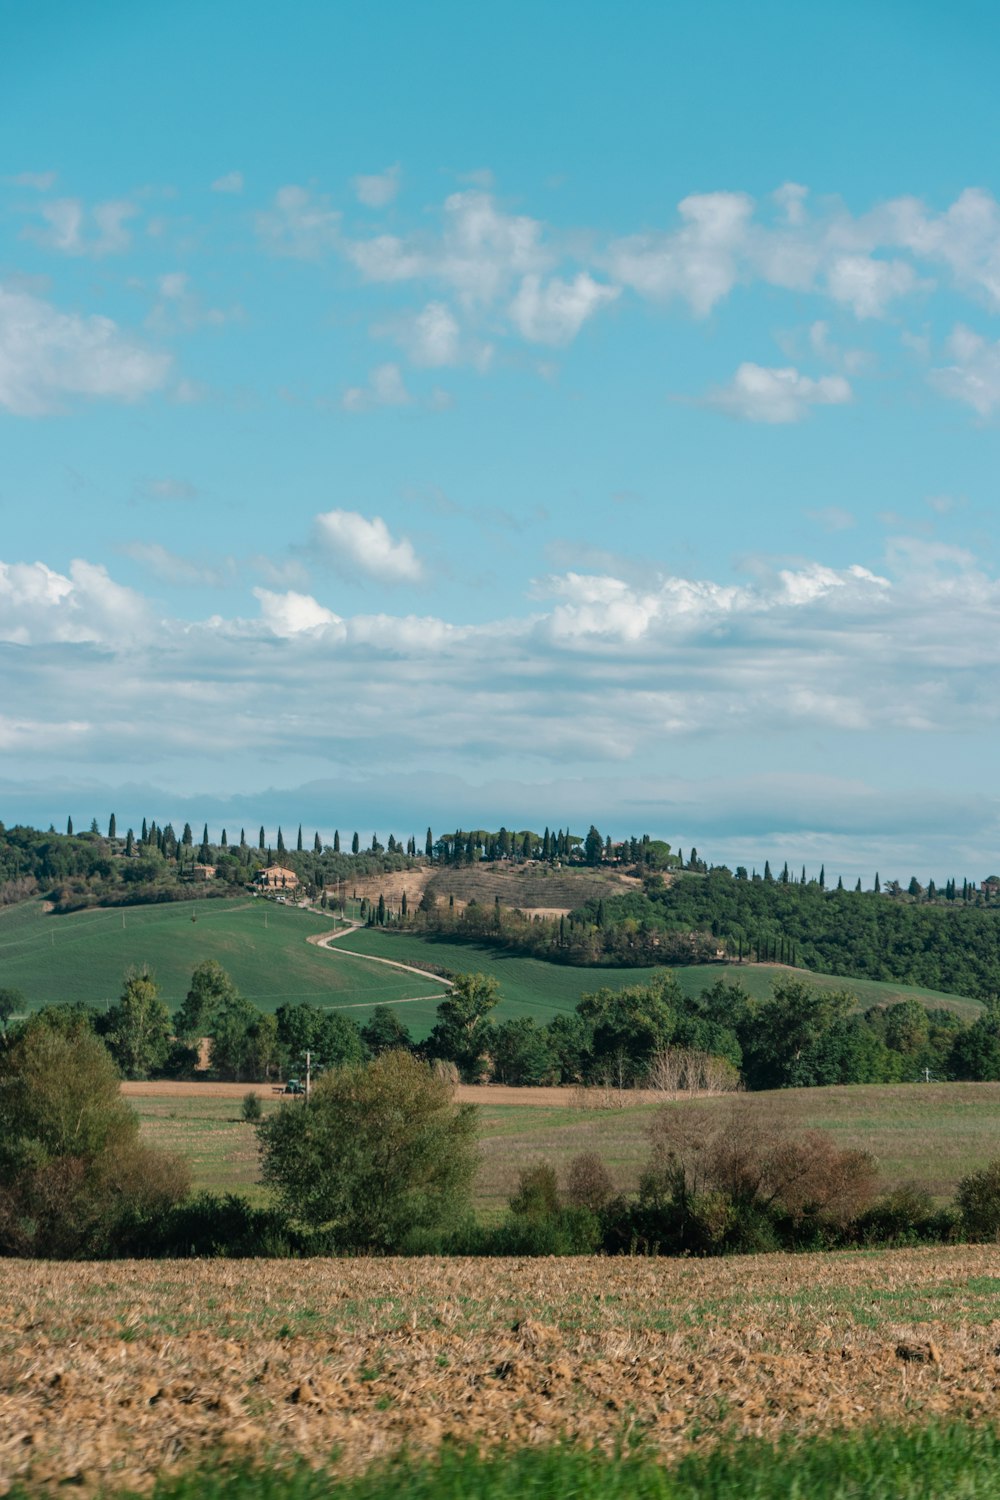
pixel 112 1374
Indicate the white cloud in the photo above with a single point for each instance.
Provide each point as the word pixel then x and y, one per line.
pixel 72 230
pixel 299 225
pixel 177 306
pixel 168 487
pixel 867 286
pixel 39 605
pixel 291 614
pixel 379 189
pixel 759 394
pixel 41 182
pixel 385 388
pixel 434 336
pixel 699 262
pixel 553 312
pixel 231 182
pixel 356 542
pixel 173 568
pixel 974 374
pixel 47 355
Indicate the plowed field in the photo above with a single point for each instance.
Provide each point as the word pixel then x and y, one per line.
pixel 111 1373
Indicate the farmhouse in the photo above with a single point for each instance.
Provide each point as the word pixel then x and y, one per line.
pixel 203 872
pixel 276 878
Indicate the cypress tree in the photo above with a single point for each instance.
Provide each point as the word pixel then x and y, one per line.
pixel 317 843
pixel 803 880
pixel 878 884
pixel 69 827
pixel 260 839
pixel 243 838
pixel 355 844
pixel 403 905
pixel 381 910
pixel 187 837
pixel 429 845
pixel 112 827
pixel 224 841
pixel 857 888
pixel 840 882
pixel 129 842
pixel 299 843
pixel 822 877
pixel 281 842
pixel 145 831
pixel 767 872
pixel 336 841
pixel 204 853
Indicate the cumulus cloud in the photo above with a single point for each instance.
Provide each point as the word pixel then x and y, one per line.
pixel 299 224
pixel 554 311
pixel 759 394
pixel 385 387
pixel 41 182
pixel 974 374
pixel 178 306
pixel 47 355
pixel 39 605
pixel 291 614
pixel 355 542
pixel 867 285
pixel 600 671
pixel 230 182
pixel 379 189
pixel 72 229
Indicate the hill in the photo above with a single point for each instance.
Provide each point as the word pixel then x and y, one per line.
pixel 265 947
pixel 534 986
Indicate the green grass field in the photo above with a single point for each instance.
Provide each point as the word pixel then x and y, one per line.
pixel 931 1134
pixel 531 986
pixel 82 957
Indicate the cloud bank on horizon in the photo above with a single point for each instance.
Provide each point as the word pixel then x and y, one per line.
pixel 545 469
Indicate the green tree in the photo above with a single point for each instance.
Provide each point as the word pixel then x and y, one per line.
pixel 630 1025
pixel 211 988
pixel 385 1032
pixel 317 843
pixel 593 847
pixel 138 1028
pixel 112 827
pixel 12 1003
pixel 462 1032
pixel 205 852
pixel 187 837
pixel 429 845
pixel 336 841
pixel 69 828
pixel 281 841
pixel 355 844
pixel 244 1041
pixel 381 1150
pixel 260 839
pixel 75 1179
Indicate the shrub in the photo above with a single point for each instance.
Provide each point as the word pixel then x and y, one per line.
pixel 75 1180
pixel 588 1182
pixel 214 1225
pixel 252 1109
pixel 978 1201
pixel 537 1195
pixel 380 1150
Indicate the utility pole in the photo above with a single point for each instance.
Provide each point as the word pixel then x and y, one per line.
pixel 308 1073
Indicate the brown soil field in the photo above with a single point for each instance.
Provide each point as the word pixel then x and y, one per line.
pixel 113 1373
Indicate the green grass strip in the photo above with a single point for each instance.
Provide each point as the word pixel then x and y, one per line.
pixel 956 1461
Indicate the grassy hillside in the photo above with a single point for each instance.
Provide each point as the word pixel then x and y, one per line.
pixel 82 957
pixel 533 986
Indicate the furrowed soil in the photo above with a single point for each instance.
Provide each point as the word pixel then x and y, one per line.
pixel 114 1373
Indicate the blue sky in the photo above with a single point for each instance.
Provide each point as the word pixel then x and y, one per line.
pixel 525 414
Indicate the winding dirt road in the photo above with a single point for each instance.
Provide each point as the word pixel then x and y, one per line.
pixel 327 939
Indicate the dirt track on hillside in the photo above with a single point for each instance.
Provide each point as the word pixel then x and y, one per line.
pixel 489 1094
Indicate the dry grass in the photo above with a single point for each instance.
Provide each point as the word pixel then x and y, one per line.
pixel 116 1372
pixel 931 1134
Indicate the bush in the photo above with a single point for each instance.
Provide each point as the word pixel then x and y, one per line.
pixel 537 1196
pixel 588 1183
pixel 252 1109
pixel 978 1202
pixel 381 1150
pixel 213 1225
pixel 75 1180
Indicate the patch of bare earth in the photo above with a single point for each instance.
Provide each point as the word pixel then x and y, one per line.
pixel 114 1373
